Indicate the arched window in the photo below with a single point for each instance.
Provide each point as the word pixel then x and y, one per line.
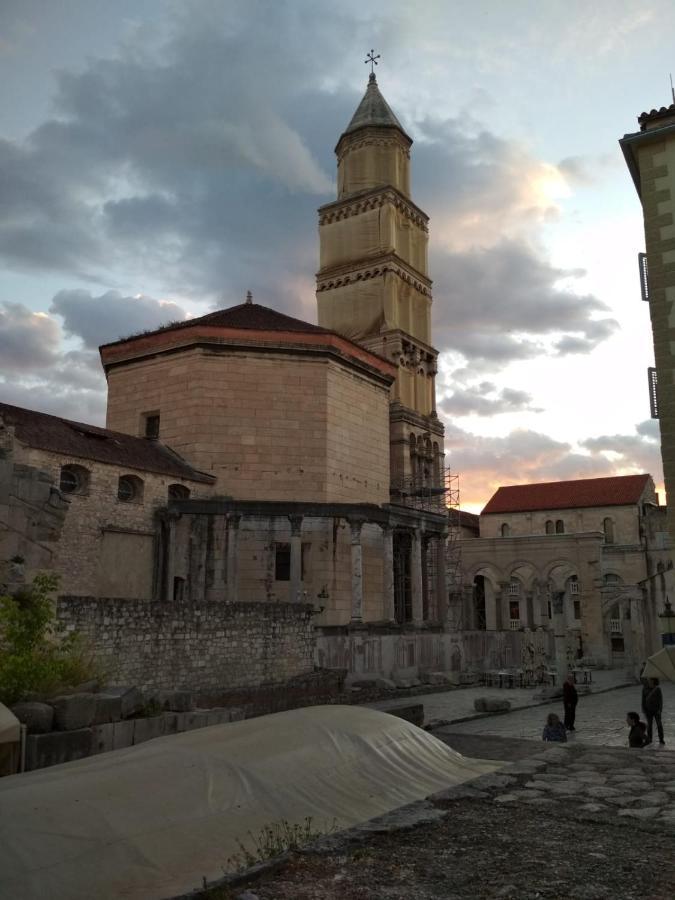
pixel 608 528
pixel 130 489
pixel 559 526
pixel 505 530
pixel 179 492
pixel 550 527
pixel 74 479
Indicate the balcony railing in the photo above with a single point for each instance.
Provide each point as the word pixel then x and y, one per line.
pixel 574 587
pixel 615 626
pixel 514 624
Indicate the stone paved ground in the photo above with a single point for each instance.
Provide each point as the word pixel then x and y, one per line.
pixel 568 823
pixel 601 718
pixel 458 703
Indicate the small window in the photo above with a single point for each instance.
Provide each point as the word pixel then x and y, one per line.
pixel 559 526
pixel 608 528
pixel 550 527
pixel 577 609
pixel 130 489
pixel 514 610
pixel 549 611
pixel 179 492
pixel 282 562
pixel 151 429
pixel 74 480
pixel 178 589
pixel 514 586
pixel 506 531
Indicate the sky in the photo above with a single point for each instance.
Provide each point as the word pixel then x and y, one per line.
pixel 159 159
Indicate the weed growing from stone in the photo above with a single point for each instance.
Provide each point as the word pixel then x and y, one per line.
pixel 273 840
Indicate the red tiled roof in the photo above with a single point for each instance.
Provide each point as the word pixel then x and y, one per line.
pixel 618 490
pixel 45 432
pixel 250 316
pixel 468 520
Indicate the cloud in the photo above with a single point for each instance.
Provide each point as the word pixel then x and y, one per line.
pixel 485 399
pixel 28 340
pixel 99 320
pixel 502 303
pixel 525 457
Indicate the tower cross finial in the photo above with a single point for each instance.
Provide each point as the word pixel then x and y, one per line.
pixel 372 59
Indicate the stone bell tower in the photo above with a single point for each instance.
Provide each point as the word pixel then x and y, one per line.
pixel 373 286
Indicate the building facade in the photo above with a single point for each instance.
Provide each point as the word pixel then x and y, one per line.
pixel 599 546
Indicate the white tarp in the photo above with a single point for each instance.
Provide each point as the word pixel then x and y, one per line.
pixel 151 821
pixel 10 727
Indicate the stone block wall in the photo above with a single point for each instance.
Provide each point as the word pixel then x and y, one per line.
pixel 100 530
pixel 207 647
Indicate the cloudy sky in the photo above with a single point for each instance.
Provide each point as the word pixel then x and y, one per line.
pixel 158 159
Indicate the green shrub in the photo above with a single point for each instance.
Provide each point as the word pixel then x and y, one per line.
pixel 35 656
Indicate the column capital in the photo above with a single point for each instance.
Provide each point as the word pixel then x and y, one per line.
pixel 233 520
pixel 296 524
pixel 356 523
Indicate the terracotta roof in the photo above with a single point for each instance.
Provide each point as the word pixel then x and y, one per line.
pixel 45 432
pixel 250 316
pixel 373 110
pixel 618 490
pixel 661 113
pixel 468 520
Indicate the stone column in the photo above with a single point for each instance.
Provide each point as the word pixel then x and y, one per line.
pixel 442 586
pixel 502 607
pixel 233 521
pixel 536 606
pixel 296 559
pixel 216 574
pixel 559 635
pixel 170 562
pixel 491 601
pixel 357 569
pixel 388 607
pixel 416 576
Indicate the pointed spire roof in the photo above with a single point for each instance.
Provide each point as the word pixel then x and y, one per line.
pixel 373 110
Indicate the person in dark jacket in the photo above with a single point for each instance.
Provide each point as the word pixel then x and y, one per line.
pixel 637 736
pixel 652 705
pixel 570 700
pixel 554 730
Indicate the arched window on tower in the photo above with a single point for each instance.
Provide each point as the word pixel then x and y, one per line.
pixel 505 530
pixel 550 527
pixel 559 526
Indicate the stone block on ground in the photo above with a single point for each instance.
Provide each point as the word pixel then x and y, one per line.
pixel 123 734
pixel 176 701
pixel 102 738
pixel 74 711
pixel 37 717
pixel 437 678
pixel 57 747
pixel 195 720
pixel 148 729
pixel 131 699
pixel 413 713
pixel 108 709
pixel 491 704
pixel 402 681
pixel 379 684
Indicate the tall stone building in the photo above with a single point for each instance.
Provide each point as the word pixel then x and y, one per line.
pixel 650 156
pixel 286 462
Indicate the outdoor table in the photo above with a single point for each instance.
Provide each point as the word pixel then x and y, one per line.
pixel 586 674
pixel 551 676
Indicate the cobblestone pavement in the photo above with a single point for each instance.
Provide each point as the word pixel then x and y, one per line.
pixel 601 719
pixel 458 703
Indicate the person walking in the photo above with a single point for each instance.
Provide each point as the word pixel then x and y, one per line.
pixel 554 730
pixel 652 705
pixel 570 700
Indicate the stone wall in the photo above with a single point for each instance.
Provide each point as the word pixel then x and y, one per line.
pixel 207 647
pixel 107 545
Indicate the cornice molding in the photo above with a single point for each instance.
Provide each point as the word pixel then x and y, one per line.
pixel 349 207
pixel 344 275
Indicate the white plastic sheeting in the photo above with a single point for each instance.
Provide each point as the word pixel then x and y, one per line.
pixel 151 821
pixel 10 727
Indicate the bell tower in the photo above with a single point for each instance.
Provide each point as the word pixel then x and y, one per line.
pixel 373 284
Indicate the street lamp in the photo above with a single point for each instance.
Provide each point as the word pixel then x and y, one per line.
pixel 667 618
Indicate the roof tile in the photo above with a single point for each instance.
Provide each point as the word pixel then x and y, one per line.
pixel 45 432
pixel 618 490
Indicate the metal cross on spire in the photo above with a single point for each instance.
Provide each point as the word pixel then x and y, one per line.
pixel 372 59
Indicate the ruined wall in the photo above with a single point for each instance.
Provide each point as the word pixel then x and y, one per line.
pixel 194 646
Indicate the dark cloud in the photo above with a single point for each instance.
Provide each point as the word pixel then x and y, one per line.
pixel 500 303
pixel 485 399
pixel 99 320
pixel 28 340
